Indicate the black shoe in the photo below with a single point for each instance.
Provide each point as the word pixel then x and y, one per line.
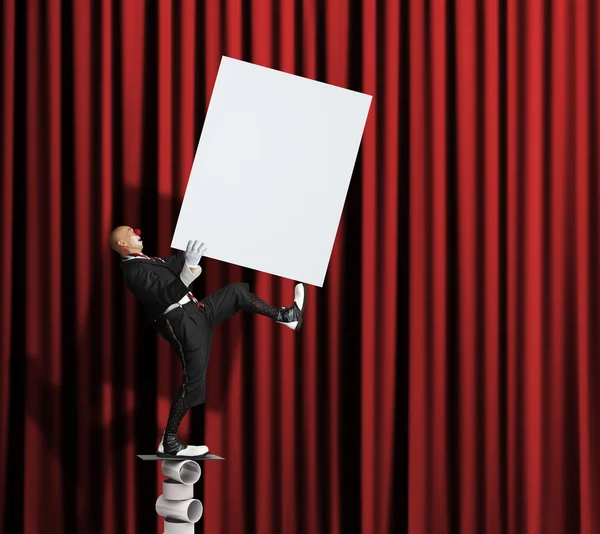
pixel 171 447
pixel 292 317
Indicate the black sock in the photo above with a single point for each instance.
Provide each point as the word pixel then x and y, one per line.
pixel 178 411
pixel 257 305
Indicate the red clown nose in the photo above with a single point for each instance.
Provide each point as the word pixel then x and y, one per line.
pixel 137 231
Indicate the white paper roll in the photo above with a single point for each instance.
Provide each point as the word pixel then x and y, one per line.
pixel 173 526
pixel 185 471
pixel 189 510
pixel 176 491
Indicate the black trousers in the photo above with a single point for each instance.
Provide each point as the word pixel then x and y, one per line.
pixel 190 330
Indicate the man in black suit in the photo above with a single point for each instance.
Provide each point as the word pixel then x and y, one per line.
pixel 162 287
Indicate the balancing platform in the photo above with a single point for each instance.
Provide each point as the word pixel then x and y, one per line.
pixel 177 504
pixel 154 457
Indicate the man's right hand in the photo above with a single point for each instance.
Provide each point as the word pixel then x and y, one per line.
pixel 194 252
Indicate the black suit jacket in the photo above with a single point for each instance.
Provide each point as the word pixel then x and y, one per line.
pixel 156 284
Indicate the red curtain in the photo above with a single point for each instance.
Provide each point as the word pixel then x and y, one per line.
pixel 446 378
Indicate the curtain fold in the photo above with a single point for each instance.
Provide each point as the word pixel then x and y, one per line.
pixel 445 380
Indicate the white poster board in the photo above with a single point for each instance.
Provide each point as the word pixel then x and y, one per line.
pixel 272 170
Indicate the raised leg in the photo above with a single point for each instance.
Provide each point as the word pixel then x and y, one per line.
pixel 227 301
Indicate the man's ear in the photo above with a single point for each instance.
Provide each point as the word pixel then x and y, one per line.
pixel 121 243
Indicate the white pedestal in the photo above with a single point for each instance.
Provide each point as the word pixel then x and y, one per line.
pixel 177 504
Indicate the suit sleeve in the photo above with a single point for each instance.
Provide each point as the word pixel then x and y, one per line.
pixel 175 262
pixel 148 286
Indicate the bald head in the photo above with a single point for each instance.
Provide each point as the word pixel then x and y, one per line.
pixel 124 240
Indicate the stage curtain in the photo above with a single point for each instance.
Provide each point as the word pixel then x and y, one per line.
pixel 446 379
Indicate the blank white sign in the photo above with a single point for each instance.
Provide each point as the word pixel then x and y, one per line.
pixel 272 170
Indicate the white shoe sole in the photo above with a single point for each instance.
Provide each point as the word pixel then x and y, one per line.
pixel 299 296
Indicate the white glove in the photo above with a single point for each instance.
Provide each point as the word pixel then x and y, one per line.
pixel 194 253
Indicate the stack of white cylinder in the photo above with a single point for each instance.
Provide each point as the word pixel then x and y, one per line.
pixel 177 504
